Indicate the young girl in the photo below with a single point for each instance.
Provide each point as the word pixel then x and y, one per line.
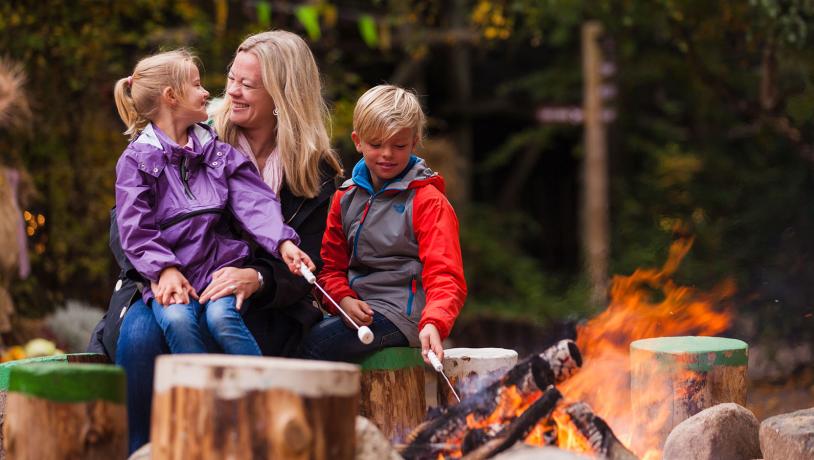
pixel 174 183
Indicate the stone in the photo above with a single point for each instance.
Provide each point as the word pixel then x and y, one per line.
pixel 722 432
pixel 143 453
pixel 525 452
pixel 371 443
pixel 788 436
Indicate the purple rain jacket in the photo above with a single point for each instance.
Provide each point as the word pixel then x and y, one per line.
pixel 170 201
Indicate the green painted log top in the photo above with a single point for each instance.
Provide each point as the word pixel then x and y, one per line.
pixel 696 353
pixel 72 383
pixel 393 358
pixel 5 368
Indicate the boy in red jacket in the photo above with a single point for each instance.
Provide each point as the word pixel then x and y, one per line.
pixel 391 251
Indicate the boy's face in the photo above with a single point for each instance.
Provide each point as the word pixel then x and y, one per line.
pixel 386 159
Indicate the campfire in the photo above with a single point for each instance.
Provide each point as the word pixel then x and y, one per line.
pixel 576 396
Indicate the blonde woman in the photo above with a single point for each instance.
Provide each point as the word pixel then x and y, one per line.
pixel 274 113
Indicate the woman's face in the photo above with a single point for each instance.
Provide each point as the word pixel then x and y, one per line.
pixel 252 106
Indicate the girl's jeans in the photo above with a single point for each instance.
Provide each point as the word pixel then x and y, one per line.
pixel 332 340
pixel 189 328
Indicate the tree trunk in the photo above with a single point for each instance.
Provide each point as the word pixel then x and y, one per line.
pixel 393 395
pixel 673 378
pixel 66 411
pixel 471 369
pixel 217 407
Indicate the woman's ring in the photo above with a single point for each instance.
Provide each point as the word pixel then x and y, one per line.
pixel 233 288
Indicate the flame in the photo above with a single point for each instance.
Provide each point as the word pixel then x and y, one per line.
pixel 633 314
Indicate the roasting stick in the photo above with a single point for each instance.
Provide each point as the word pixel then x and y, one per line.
pixel 436 364
pixel 364 333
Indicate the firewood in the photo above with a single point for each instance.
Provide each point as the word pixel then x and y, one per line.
pixel 469 369
pixel 674 378
pixel 522 384
pixel 65 411
pixel 519 428
pixel 218 406
pixel 598 433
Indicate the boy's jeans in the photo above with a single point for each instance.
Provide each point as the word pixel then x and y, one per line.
pixel 332 340
pixel 189 327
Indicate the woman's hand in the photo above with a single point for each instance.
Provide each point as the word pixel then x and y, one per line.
pixel 357 309
pixel 294 257
pixel 431 340
pixel 172 288
pixel 242 282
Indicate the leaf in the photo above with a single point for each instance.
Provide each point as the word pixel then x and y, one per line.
pixel 264 13
pixel 367 28
pixel 309 18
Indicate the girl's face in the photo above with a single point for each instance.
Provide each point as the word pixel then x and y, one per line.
pixel 252 105
pixel 386 159
pixel 192 106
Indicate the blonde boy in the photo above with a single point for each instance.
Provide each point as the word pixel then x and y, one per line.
pixel 391 248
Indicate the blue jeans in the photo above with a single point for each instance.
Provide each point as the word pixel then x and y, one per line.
pixel 189 328
pixel 332 340
pixel 140 342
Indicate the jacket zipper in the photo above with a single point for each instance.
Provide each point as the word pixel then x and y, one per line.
pixel 411 297
pixel 184 172
pixel 362 222
pixel 170 222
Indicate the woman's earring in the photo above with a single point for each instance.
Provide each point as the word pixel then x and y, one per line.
pixel 275 112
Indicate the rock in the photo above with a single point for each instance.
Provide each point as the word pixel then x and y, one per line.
pixel 143 453
pixel 723 432
pixel 788 436
pixel 525 452
pixel 371 443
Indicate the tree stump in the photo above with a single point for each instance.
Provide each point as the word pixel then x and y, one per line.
pixel 66 411
pixel 471 369
pixel 393 395
pixel 221 407
pixel 673 378
pixel 5 371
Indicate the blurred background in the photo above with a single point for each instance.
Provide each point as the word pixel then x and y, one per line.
pixel 580 140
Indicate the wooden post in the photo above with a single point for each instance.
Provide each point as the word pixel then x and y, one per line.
pixel 219 406
pixel 595 168
pixel 66 411
pixel 472 369
pixel 673 378
pixel 393 395
pixel 5 372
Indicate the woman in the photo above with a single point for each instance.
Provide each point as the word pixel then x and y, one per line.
pixel 274 113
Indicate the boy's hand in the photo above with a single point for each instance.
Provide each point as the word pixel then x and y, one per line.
pixel 430 340
pixel 172 288
pixel 357 309
pixel 294 257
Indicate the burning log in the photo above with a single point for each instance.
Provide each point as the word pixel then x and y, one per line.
pixel 503 399
pixel 674 378
pixel 469 369
pixel 519 428
pixel 599 435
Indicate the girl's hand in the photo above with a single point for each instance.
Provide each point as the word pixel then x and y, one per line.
pixel 431 340
pixel 173 288
pixel 294 257
pixel 357 309
pixel 242 282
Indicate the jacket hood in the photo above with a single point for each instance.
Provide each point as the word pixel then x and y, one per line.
pixel 416 174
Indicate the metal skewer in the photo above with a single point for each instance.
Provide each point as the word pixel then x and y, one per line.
pixel 363 332
pixel 436 364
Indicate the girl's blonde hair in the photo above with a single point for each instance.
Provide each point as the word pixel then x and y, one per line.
pixel 137 96
pixel 291 77
pixel 386 109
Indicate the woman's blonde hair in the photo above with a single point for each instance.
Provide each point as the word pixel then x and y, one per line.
pixel 386 109
pixel 291 77
pixel 137 96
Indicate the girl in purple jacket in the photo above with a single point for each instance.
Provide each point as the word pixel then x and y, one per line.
pixel 174 182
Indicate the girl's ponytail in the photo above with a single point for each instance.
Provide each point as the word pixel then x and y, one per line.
pixel 127 107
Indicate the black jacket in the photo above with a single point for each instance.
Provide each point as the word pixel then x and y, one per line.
pixel 278 315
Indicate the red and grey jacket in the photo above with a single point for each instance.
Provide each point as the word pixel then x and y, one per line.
pixel 397 249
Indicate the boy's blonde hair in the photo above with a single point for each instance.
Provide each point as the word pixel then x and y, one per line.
pixel 386 109
pixel 137 96
pixel 291 77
